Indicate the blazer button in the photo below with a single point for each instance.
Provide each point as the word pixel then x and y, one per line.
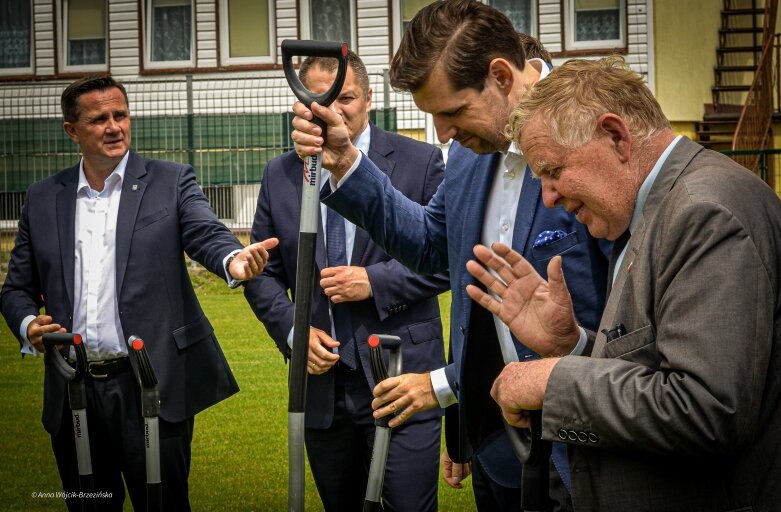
pixel 582 437
pixel 562 434
pixel 572 435
pixel 593 438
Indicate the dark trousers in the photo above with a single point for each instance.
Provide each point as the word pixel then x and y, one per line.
pixel 341 454
pixel 116 435
pixel 491 496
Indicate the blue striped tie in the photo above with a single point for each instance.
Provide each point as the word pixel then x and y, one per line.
pixel 336 251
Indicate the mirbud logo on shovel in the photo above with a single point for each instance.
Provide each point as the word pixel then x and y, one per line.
pixel 310 170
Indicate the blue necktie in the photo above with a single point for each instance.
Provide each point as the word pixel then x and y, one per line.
pixel 336 252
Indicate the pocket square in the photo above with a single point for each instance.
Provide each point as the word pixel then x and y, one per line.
pixel 548 237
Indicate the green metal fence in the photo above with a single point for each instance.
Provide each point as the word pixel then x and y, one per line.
pixel 226 128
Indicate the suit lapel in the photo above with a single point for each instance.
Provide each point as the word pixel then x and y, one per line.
pixel 673 167
pixel 480 175
pixel 66 227
pixel 132 192
pixel 527 208
pixel 320 249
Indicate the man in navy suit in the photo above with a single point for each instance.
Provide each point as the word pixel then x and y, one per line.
pixel 100 247
pixel 370 293
pixel 464 64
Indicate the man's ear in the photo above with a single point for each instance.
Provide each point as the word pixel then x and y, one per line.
pixel 500 72
pixel 71 131
pixel 614 126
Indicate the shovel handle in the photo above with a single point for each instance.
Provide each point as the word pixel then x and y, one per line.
pixel 293 48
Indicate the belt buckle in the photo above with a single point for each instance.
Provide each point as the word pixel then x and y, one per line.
pixel 92 365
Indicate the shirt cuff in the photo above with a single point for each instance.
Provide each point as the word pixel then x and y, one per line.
pixel 232 283
pixel 581 346
pixel 27 347
pixel 442 389
pixel 332 180
pixel 290 339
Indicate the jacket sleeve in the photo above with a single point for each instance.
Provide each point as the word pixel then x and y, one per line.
pixel 267 294
pixel 21 294
pixel 396 287
pixel 204 237
pixel 413 234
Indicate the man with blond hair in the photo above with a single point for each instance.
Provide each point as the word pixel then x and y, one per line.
pixel 677 407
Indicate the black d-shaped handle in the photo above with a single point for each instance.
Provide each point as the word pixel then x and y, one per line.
pixel 55 357
pixel 294 47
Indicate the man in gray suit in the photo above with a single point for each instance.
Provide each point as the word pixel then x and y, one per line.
pixel 679 405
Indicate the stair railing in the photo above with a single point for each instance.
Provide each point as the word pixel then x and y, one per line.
pixel 753 130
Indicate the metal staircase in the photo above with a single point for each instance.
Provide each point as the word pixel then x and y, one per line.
pixel 737 59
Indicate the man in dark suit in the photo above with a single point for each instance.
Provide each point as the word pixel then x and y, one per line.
pixel 464 64
pixel 677 409
pixel 100 247
pixel 369 293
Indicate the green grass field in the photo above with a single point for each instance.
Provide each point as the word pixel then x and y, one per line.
pixel 240 447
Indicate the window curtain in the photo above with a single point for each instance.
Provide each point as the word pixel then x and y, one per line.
pixel 171 31
pixel 15 34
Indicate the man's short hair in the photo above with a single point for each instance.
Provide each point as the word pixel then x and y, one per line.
pixel 69 102
pixel 330 65
pixel 575 95
pixel 463 36
pixel 534 48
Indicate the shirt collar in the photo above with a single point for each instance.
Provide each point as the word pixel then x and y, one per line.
pixel 545 69
pixel 645 188
pixel 119 172
pixel 364 139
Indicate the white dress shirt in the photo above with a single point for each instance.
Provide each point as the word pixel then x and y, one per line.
pixel 95 306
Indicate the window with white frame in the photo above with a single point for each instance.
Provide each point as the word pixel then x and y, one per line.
pixel 595 24
pixel 247 34
pixel 520 12
pixel 15 37
pixel 403 12
pixel 84 44
pixel 169 33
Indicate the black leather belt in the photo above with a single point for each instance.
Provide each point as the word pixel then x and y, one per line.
pixel 108 367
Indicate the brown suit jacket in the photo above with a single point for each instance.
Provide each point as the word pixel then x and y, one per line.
pixel 684 411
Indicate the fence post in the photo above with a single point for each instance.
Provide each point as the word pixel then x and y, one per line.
pixel 763 165
pixel 386 99
pixel 190 121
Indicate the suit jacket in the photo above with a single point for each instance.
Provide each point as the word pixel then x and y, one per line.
pixel 441 235
pixel 684 411
pixel 162 214
pixel 404 303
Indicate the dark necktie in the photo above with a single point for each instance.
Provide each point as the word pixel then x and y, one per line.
pixel 336 252
pixel 618 246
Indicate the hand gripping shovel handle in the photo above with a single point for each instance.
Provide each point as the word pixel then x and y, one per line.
pixel 150 410
pixel 77 396
pixel 307 244
pixel 382 431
